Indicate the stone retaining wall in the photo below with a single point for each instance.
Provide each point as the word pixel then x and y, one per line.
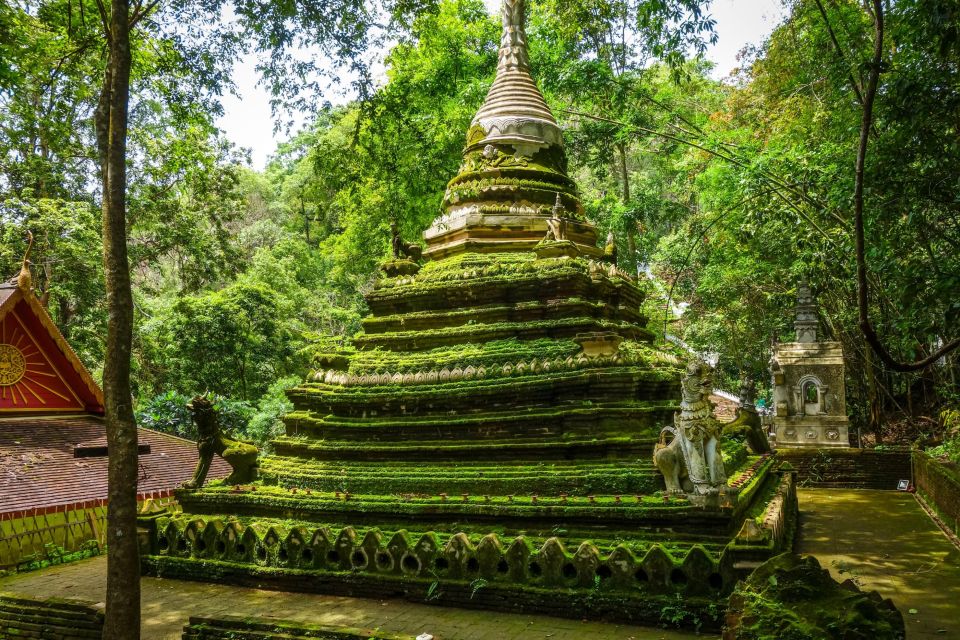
pixel 60 619
pixel 38 534
pixel 848 468
pixel 46 534
pixel 939 487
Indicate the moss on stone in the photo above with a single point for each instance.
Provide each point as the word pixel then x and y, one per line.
pixel 793 598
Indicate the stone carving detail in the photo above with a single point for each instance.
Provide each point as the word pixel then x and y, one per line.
pixel 806 310
pixel 450 557
pixel 556 223
pixel 692 462
pixel 12 365
pixel 494 158
pixel 239 455
pixel 599 349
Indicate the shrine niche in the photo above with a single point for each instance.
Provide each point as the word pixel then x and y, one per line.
pixel 808 384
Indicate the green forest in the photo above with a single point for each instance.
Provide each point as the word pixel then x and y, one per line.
pixel 726 193
pixel 533 310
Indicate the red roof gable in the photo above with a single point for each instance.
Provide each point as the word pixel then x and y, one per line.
pixel 40 467
pixel 39 372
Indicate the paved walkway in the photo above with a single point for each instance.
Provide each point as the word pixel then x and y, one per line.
pixel 168 603
pixel 884 541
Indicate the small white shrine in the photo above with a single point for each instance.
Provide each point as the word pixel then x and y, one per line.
pixel 808 384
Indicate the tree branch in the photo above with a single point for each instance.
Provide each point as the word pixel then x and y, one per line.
pixel 723 156
pixel 836 45
pixel 863 288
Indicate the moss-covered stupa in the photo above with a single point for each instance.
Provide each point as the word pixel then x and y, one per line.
pixel 487 440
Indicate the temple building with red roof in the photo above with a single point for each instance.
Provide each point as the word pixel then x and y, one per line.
pixel 53 448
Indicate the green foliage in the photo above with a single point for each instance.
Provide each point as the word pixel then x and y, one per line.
pixel 265 423
pixel 773 179
pixel 950 447
pixel 239 274
pixel 235 415
pixel 233 341
pixel 67 265
pixel 54 554
pixel 168 413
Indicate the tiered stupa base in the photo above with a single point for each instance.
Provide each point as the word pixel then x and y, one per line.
pixel 487 442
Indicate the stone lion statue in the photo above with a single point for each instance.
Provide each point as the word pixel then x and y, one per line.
pixel 242 457
pixel 401 248
pixel 692 461
pixel 668 457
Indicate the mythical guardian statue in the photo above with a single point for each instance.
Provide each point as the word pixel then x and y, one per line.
pixel 691 462
pixel 242 457
pixel 556 223
pixel 610 250
pixel 402 248
pixel 746 426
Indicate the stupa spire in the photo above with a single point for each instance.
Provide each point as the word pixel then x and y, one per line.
pixel 515 111
pixel 806 322
pixel 514 169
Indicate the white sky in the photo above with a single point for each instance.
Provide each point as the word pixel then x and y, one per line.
pixel 248 122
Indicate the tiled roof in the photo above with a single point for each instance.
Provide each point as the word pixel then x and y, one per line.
pixel 38 468
pixel 724 409
pixel 6 290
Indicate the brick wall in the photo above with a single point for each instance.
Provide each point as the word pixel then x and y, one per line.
pixel 56 618
pixel 939 487
pixel 848 468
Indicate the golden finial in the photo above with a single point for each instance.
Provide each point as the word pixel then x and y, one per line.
pixel 25 280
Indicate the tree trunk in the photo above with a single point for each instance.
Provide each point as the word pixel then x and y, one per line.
pixel 122 620
pixel 625 199
pixel 873 398
pixel 306 221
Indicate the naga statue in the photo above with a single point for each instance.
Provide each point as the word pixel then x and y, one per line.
pixel 746 426
pixel 692 463
pixel 242 457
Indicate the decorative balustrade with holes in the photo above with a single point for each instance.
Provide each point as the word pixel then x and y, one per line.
pixel 453 557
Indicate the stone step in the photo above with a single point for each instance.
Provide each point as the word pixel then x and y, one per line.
pixel 533 449
pixel 576 420
pixel 519 393
pixel 626 478
pixel 564 283
pixel 494 314
pixel 557 329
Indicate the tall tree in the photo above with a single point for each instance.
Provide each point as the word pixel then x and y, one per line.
pixel 123 560
pixel 344 27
